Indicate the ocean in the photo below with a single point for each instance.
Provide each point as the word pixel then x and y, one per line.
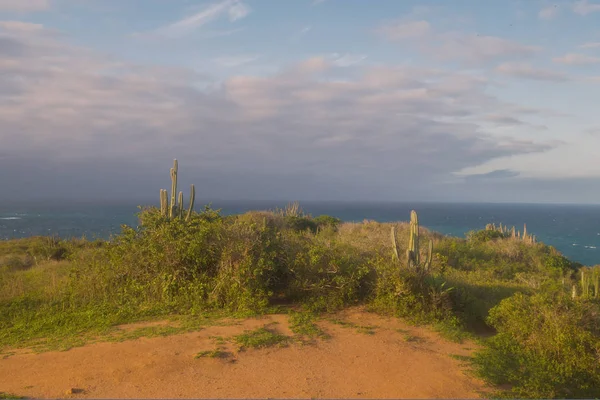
pixel 573 229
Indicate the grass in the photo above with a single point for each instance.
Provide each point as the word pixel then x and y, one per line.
pixel 461 357
pixel 412 338
pixel 217 353
pixel 364 329
pixel 304 325
pixel 4 395
pixel 261 338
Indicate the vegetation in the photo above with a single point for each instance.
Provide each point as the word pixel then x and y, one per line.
pixel 260 338
pixel 540 311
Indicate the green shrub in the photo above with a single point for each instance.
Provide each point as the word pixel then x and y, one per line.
pixel 327 221
pixel 411 295
pixel 547 346
pixel 485 235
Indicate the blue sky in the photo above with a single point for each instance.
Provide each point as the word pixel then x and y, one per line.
pixel 302 99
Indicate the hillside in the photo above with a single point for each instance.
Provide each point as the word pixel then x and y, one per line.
pixel 512 296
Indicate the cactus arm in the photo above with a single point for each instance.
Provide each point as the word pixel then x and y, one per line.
pixel 164 203
pixel 192 199
pixel 394 244
pixel 180 205
pixel 173 208
pixel 427 264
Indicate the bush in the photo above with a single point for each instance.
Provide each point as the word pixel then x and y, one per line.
pixel 485 235
pixel 547 346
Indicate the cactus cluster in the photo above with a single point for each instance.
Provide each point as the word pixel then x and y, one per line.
pixel 514 234
pixel 175 208
pixel 590 283
pixel 413 255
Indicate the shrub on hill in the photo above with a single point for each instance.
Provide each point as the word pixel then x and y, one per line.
pixel 547 346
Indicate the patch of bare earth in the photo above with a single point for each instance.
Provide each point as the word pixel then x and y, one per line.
pixel 388 360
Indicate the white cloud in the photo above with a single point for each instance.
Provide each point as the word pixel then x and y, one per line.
pixel 405 30
pixel 584 7
pixel 451 45
pixel 235 61
pixel 346 60
pixel 549 12
pixel 294 131
pixel 590 45
pixel 524 70
pixel 21 27
pixel 576 59
pixel 24 5
pixel 234 9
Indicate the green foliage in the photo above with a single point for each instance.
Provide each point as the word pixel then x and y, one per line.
pixel 547 346
pixel 327 220
pixel 303 324
pixel 217 353
pixel 485 235
pixel 557 263
pixel 4 395
pixel 261 338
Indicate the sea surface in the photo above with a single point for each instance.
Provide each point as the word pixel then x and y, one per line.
pixel 573 229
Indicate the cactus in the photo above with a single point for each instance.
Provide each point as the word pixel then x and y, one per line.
pixel 596 277
pixel 394 241
pixel 412 253
pixel 585 283
pixel 164 203
pixel 175 209
pixel 192 199
pixel 180 205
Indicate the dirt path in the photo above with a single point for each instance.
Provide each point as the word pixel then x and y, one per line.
pixel 391 361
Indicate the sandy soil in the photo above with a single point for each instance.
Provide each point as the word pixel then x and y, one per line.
pixel 396 361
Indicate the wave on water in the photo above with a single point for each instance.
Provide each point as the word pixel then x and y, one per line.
pixel 590 247
pixel 10 218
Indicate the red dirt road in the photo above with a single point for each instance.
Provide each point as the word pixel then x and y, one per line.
pixel 396 361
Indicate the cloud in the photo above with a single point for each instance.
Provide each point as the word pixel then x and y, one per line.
pixel 526 71
pixel 594 131
pixel 492 175
pixel 111 128
pixel 451 45
pixel 233 9
pixel 576 59
pixel 590 45
pixel 405 30
pixel 584 7
pixel 346 60
pixel 299 34
pixel 549 12
pixel 235 61
pixel 24 5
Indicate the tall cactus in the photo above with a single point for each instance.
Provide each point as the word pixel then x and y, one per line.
pixel 596 277
pixel 175 209
pixel 180 205
pixel 585 282
pixel 164 203
pixel 394 243
pixel 192 199
pixel 412 253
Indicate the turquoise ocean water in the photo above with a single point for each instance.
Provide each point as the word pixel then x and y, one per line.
pixel 572 229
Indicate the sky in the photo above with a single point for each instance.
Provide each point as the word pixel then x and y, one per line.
pixel 334 100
